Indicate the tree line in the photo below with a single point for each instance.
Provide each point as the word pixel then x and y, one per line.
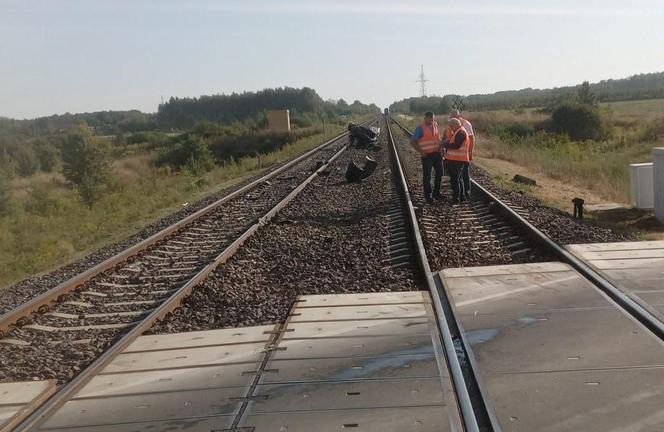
pixel 101 122
pixel 184 113
pixel 217 128
pixel 636 87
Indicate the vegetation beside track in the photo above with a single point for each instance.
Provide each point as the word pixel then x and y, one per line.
pixel 601 165
pixel 46 224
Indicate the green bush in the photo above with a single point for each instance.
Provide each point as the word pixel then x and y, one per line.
pixel 145 137
pixel 119 139
pixel 85 164
pixel 651 132
pixel 301 122
pixel 43 201
pixel 47 155
pixel 190 152
pixel 5 189
pixel 238 146
pixel 579 121
pixel 26 161
pixel 515 130
pixel 207 129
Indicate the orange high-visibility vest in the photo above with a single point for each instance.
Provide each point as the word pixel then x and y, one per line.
pixel 447 133
pixel 470 137
pixel 430 141
pixel 462 154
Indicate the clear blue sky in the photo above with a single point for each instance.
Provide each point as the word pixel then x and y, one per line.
pixel 88 55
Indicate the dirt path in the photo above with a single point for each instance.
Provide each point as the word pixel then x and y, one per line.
pixel 555 193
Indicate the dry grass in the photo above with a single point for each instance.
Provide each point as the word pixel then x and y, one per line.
pixel 483 121
pixel 602 167
pixel 22 186
pixel 130 170
pixel 48 225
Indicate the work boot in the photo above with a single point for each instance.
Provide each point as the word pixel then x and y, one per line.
pixel 437 196
pixel 428 199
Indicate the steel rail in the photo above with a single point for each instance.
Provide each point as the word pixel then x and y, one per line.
pixel 40 304
pixel 641 314
pixel 622 300
pixel 463 396
pixel 41 414
pixel 636 310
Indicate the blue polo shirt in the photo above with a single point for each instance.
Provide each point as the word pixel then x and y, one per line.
pixel 419 133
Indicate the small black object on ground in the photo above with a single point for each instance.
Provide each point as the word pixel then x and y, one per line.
pixel 355 174
pixel 578 208
pixel 518 178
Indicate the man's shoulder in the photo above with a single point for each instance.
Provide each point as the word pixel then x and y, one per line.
pixel 467 125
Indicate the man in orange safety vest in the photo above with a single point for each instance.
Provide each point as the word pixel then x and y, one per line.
pixel 465 175
pixel 457 157
pixel 426 140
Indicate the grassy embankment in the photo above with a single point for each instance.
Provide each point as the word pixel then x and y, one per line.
pixel 598 166
pixel 48 225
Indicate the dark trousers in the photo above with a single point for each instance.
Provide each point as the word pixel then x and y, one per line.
pixel 434 161
pixel 455 170
pixel 465 177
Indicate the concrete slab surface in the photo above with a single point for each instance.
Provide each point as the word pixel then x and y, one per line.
pixel 198 377
pixel 360 367
pixel 355 328
pixel 153 407
pixel 382 298
pixel 411 419
pixel 364 346
pixel 18 399
pixel 344 368
pixel 339 362
pixel 555 354
pixel 198 424
pixel 359 312
pixel 187 357
pixel 636 268
pixel 348 395
pixel 201 338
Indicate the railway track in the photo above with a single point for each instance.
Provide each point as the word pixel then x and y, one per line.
pixel 505 213
pixel 333 238
pixel 77 320
pixel 122 301
pixel 488 231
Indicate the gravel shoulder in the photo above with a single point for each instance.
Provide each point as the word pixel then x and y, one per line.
pixel 619 217
pixel 333 238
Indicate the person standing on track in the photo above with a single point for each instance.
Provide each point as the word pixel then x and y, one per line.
pixel 426 140
pixel 457 157
pixel 465 175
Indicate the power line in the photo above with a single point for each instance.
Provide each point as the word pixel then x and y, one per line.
pixel 422 81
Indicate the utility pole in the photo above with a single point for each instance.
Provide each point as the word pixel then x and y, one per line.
pixel 324 127
pixel 422 81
